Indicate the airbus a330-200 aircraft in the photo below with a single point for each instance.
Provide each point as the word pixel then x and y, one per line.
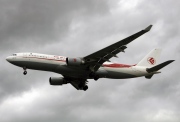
pixel 76 71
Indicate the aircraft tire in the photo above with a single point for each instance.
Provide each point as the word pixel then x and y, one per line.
pixel 25 72
pixel 96 77
pixel 85 87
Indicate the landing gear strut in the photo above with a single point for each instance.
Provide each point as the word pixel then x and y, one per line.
pixel 83 86
pixel 25 72
pixel 94 76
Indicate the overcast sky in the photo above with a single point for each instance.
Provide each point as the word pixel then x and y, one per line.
pixel 77 28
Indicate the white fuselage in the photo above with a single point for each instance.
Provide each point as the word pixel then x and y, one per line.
pixel 58 64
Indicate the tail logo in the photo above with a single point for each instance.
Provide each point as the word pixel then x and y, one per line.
pixel 151 60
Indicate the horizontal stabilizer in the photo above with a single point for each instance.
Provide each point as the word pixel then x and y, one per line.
pixel 158 67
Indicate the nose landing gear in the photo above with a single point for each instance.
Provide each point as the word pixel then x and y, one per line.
pixel 25 72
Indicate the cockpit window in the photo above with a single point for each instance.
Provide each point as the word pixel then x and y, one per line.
pixel 14 54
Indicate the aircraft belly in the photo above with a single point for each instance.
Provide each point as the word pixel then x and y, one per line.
pixel 36 65
pixel 129 72
pixel 72 71
pixel 120 73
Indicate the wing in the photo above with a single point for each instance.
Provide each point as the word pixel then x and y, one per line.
pixel 95 60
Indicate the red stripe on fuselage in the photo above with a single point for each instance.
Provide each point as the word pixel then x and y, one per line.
pixel 42 58
pixel 115 65
pixel 46 59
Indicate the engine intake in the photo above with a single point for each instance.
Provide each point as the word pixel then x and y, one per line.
pixel 74 61
pixel 57 81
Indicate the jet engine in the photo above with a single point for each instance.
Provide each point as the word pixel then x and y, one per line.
pixel 57 81
pixel 74 61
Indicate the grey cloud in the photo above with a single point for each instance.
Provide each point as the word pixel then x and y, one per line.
pixel 42 20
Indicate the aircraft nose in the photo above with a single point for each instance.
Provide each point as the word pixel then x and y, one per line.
pixel 8 58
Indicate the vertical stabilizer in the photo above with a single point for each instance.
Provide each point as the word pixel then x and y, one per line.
pixel 150 59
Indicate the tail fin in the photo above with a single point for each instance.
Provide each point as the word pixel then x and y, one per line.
pixel 150 59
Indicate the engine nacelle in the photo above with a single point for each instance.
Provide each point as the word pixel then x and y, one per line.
pixel 57 81
pixel 74 61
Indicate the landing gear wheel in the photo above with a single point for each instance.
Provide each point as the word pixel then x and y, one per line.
pixel 25 72
pixel 96 77
pixel 85 87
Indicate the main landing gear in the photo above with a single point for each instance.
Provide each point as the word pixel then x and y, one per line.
pixel 83 86
pixel 25 72
pixel 94 76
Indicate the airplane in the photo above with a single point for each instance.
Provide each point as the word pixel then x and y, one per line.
pixel 97 65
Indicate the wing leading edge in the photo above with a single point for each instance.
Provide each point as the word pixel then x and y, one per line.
pixel 95 60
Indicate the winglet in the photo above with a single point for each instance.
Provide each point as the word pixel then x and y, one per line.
pixel 158 67
pixel 148 28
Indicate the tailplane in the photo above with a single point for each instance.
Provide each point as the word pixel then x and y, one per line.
pixel 158 67
pixel 155 69
pixel 150 59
